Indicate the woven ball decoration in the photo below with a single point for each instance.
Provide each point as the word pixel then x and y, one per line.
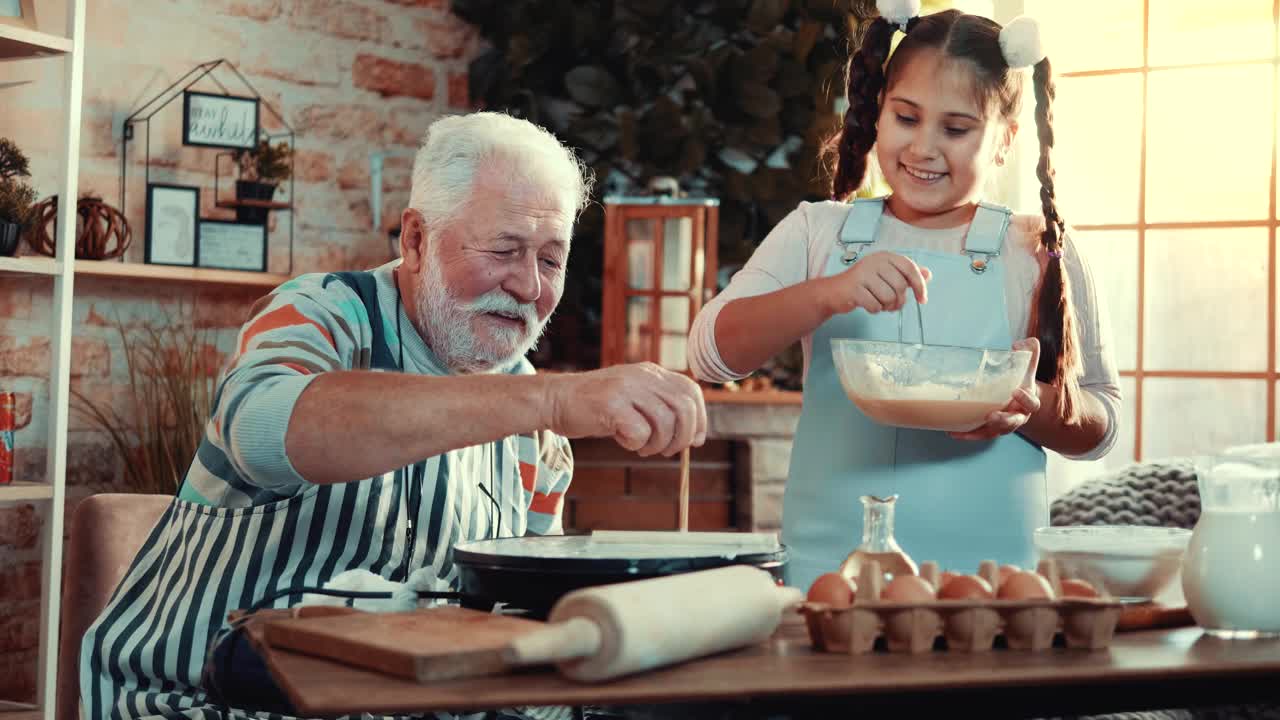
pixel 102 232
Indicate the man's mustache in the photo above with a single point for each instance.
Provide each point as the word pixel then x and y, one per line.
pixel 498 300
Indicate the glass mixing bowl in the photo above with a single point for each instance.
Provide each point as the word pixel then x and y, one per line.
pixel 1131 562
pixel 928 387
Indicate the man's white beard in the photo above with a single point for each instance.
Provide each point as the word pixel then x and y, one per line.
pixel 446 325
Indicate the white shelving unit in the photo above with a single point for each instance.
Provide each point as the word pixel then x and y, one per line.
pixel 22 44
pixel 28 265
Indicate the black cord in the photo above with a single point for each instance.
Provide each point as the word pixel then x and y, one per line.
pixel 265 602
pixel 399 333
pixel 406 474
pixel 488 494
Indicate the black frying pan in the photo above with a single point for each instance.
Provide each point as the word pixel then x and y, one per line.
pixel 532 573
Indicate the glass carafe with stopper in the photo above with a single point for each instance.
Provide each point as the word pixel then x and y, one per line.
pixel 877 541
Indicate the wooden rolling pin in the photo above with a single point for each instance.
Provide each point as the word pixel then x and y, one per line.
pixel 606 632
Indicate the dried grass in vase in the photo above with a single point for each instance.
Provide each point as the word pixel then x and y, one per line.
pixel 172 378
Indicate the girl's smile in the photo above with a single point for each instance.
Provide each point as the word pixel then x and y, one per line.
pixel 923 176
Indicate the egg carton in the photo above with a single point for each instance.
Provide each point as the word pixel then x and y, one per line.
pixel 966 625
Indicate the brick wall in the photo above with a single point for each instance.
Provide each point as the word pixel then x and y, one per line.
pixel 736 479
pixel 19 600
pixel 353 77
pixel 614 489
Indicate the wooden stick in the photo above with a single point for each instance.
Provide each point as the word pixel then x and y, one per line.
pixel 684 490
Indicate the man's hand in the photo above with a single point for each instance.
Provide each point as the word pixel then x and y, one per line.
pixel 643 407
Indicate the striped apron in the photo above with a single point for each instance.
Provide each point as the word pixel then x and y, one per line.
pixel 144 655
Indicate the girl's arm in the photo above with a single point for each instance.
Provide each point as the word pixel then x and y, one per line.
pixel 751 330
pixel 1100 400
pixel 1032 410
pixel 772 302
pixel 1081 441
pixel 780 262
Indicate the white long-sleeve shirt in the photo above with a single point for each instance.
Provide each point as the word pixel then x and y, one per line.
pixel 798 248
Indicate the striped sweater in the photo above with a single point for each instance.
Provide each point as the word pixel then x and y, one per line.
pixel 311 325
pixel 245 525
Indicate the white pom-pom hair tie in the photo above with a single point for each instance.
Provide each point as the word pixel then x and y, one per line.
pixel 898 12
pixel 1020 42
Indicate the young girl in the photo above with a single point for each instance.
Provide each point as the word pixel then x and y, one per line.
pixel 939 115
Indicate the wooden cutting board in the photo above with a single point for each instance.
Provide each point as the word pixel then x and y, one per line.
pixel 1149 616
pixel 428 645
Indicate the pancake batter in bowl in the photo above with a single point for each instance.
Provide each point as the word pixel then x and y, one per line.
pixel 925 406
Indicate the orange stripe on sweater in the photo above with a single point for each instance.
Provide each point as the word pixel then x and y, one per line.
pixel 295 366
pixel 549 503
pixel 528 475
pixel 283 316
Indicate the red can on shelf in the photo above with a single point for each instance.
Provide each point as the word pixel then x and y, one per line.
pixel 8 423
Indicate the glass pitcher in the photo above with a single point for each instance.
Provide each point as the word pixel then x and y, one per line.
pixel 877 541
pixel 1231 569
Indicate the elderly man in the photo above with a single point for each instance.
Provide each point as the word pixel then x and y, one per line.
pixel 371 420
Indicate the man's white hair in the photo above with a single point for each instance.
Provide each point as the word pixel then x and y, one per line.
pixel 457 145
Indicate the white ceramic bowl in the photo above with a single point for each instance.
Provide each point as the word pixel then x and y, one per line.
pixel 1132 562
pixel 929 387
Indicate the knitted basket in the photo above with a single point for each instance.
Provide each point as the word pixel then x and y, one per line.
pixel 1161 493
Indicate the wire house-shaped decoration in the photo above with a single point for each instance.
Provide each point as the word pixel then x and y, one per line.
pixel 148 110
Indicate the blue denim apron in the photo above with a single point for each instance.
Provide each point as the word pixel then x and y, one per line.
pixel 960 501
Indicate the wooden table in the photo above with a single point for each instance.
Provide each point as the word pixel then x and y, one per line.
pixel 785 676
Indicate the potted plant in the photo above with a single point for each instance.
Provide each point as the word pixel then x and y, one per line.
pixel 262 169
pixel 16 196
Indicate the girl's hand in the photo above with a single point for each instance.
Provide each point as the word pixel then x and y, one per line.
pixel 878 283
pixel 1024 403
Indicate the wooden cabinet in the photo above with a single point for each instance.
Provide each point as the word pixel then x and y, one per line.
pixel 659 268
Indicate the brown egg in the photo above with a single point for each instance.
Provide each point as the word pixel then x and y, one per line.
pixel 1025 585
pixel 1007 570
pixel 945 577
pixel 833 589
pixel 908 589
pixel 966 587
pixel 1073 587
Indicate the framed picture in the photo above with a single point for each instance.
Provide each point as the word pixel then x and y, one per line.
pixel 18 12
pixel 233 246
pixel 220 121
pixel 173 213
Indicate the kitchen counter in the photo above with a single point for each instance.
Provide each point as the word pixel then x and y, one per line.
pixel 785 677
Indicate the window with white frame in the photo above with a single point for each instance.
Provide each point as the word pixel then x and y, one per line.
pixel 1165 156
pixel 1165 151
pixel 1167 166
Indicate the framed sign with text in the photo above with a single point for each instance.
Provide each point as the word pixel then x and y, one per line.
pixel 221 121
pixel 230 245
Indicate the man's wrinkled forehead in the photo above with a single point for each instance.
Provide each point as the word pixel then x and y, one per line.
pixel 524 204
